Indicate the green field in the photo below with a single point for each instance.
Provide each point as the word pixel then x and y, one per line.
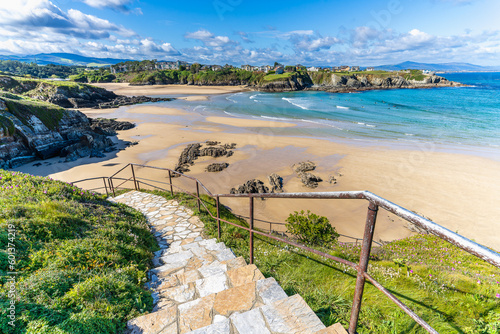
pixel 81 261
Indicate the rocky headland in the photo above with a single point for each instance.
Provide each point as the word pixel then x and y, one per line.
pixel 336 83
pixel 70 94
pixel 31 130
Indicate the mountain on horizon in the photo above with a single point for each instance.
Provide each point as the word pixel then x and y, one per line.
pixel 445 67
pixel 68 59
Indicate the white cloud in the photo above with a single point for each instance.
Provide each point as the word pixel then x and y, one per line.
pixel 209 39
pixel 42 16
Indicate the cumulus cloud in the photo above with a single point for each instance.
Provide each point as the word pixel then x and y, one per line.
pixel 116 5
pixel 42 16
pixel 209 39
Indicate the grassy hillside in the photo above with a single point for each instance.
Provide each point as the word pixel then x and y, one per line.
pixel 453 291
pixel 24 107
pixel 80 261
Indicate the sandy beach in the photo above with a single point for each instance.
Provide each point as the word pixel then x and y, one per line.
pixel 198 91
pixel 457 191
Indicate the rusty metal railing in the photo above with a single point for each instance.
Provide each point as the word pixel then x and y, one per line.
pixel 374 204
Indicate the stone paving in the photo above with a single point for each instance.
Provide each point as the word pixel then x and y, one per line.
pixel 199 286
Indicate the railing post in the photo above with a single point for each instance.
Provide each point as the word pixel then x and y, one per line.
pixel 111 186
pixel 170 180
pixel 251 229
pixel 198 195
pixel 105 186
pixel 363 265
pixel 133 176
pixel 217 202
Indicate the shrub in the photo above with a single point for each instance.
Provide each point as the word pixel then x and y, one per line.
pixel 311 229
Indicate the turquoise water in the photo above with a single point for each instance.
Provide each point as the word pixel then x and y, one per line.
pixel 467 117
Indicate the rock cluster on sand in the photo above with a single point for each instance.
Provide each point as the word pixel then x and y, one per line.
pixel 127 101
pixel 213 149
pixel 217 167
pixel 308 179
pixel 276 183
pixel 251 187
pixel 108 127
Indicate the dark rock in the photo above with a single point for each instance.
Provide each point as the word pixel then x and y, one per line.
pixel 96 154
pixel 38 164
pixel 108 127
pixel 276 183
pixel 251 187
pixel 213 151
pixel 187 158
pixel 304 166
pixel 212 143
pixel 231 146
pixel 332 179
pixel 310 180
pixel 217 167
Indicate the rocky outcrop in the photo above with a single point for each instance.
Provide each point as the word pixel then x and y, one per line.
pixel 251 187
pixel 217 167
pixel 70 94
pixel 276 183
pixel 72 137
pixel 187 158
pixel 127 101
pixel 293 83
pixel 333 82
pixel 304 166
pixel 308 179
pixel 108 127
pixel 213 149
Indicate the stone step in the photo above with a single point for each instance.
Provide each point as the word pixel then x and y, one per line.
pixel 212 308
pixel 333 329
pixel 218 307
pixel 209 279
pixel 286 316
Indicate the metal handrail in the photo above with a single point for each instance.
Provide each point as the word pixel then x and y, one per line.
pixel 375 202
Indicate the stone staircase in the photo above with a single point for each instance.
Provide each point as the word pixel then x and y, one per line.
pixel 199 286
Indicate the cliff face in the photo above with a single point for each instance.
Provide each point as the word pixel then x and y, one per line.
pixel 338 83
pixel 70 94
pixel 31 131
pixel 295 82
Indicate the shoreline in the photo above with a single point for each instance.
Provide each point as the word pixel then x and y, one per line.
pixel 447 187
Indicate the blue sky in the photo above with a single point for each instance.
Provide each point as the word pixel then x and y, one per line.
pixel 315 32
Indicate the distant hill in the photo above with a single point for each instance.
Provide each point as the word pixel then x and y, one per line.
pixel 445 67
pixel 68 59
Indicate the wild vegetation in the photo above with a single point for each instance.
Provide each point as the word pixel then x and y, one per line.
pixel 24 107
pixel 80 260
pixel 31 69
pixel 453 291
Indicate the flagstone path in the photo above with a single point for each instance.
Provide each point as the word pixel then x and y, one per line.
pixel 199 286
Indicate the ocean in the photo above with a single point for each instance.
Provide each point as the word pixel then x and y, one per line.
pixel 455 118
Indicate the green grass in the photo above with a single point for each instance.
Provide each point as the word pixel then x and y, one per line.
pixel 453 291
pixel 81 260
pixel 24 107
pixel 278 77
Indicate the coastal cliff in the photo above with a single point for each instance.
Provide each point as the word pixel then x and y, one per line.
pixel 32 130
pixel 333 82
pixel 68 94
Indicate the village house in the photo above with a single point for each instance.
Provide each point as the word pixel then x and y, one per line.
pixel 370 69
pixel 279 69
